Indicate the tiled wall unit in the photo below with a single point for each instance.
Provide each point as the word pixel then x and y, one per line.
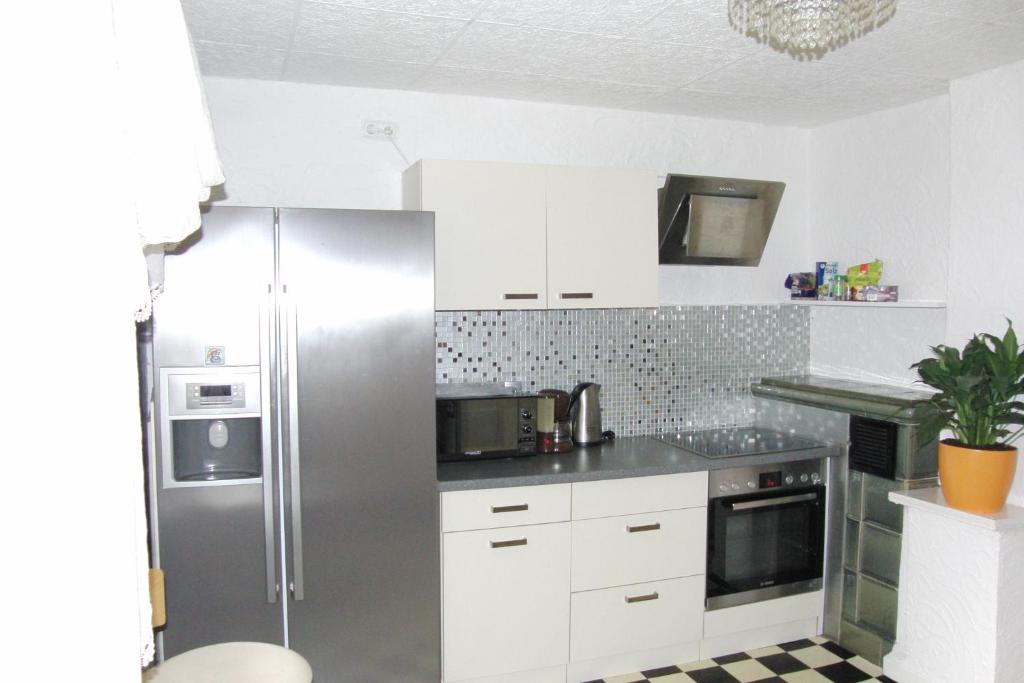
pixel 670 368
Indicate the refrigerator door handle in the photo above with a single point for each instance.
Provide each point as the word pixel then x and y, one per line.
pixel 266 436
pixel 294 464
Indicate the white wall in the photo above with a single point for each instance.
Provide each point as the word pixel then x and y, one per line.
pixel 880 189
pixel 288 144
pixel 987 209
pixel 936 189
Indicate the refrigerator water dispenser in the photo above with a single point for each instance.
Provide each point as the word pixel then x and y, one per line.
pixel 213 426
pixel 216 449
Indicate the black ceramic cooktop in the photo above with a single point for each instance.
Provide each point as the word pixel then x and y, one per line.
pixel 736 441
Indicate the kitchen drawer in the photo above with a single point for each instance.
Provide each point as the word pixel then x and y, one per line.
pixel 638 617
pixel 639 494
pixel 614 551
pixel 496 508
pixel 506 600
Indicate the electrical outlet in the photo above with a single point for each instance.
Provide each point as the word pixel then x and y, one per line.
pixel 380 130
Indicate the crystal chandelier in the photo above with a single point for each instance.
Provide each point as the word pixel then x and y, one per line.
pixel 808 27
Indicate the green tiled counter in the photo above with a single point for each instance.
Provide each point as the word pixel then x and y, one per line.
pixel 873 525
pixel 880 401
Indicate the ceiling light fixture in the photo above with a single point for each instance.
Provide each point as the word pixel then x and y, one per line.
pixel 808 27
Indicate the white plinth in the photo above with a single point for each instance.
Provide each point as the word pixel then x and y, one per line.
pixel 961 599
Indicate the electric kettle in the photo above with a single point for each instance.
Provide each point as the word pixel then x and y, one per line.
pixel 585 412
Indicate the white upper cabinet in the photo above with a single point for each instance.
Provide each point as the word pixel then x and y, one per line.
pixel 523 236
pixel 489 232
pixel 602 238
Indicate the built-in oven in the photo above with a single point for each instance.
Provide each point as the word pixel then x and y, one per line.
pixel 766 532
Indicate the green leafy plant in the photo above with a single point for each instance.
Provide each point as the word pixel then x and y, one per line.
pixel 978 389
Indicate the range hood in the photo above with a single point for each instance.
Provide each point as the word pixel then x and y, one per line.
pixel 704 220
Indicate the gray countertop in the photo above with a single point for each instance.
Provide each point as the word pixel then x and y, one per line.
pixel 637 456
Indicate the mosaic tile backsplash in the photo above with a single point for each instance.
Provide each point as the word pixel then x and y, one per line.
pixel 669 368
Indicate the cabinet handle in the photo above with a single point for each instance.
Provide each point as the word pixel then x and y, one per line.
pixel 576 295
pixel 630 599
pixel 769 502
pixel 521 295
pixel 508 544
pixel 643 527
pixel 521 507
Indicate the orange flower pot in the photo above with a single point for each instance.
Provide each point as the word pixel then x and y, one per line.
pixel 976 479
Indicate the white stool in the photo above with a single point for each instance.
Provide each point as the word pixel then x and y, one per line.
pixel 233 663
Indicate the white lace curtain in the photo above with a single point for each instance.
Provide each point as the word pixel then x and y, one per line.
pixel 106 149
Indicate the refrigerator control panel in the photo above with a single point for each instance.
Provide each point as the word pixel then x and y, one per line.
pixel 218 395
pixel 219 391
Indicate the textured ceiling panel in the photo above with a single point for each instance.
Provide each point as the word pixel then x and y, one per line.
pixel 239 61
pixel 354 32
pixel 264 23
pixel 607 17
pixel 678 56
pixel 769 74
pixel 314 67
pixel 454 9
pixel 983 10
pixel 696 22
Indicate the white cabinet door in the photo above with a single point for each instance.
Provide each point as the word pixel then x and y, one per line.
pixel 513 506
pixel 602 238
pixel 629 496
pixel 489 232
pixel 506 600
pixel 639 617
pixel 615 551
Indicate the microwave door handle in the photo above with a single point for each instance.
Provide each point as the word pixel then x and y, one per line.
pixel 771 502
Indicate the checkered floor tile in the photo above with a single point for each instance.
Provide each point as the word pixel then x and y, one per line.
pixel 814 660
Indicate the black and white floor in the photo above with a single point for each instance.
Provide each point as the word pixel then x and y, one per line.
pixel 814 660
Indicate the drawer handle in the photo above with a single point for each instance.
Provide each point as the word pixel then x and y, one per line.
pixel 508 544
pixel 576 295
pixel 519 295
pixel 643 527
pixel 521 507
pixel 630 599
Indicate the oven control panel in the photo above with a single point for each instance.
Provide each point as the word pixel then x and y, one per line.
pixel 739 480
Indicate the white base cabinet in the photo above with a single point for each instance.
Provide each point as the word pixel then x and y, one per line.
pixel 616 551
pixel 572 582
pixel 506 600
pixel 637 617
pixel 748 627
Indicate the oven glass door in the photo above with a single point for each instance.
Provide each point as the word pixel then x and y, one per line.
pixel 759 541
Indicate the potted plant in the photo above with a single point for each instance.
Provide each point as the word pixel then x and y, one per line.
pixel 977 401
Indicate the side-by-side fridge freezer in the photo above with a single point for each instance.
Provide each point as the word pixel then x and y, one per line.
pixel 293 491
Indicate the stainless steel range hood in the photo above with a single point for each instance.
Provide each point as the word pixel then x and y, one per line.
pixel 704 220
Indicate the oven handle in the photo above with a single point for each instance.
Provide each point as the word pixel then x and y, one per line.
pixel 769 502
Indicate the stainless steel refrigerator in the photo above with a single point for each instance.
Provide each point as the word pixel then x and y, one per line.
pixel 292 472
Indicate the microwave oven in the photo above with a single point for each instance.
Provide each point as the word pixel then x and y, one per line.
pixel 475 422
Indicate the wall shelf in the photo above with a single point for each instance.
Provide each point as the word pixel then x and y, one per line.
pixel 871 304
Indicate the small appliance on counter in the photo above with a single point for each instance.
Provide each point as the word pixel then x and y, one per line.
pixel 481 420
pixel 554 434
pixel 585 411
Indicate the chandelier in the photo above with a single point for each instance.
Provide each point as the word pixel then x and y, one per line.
pixel 808 27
